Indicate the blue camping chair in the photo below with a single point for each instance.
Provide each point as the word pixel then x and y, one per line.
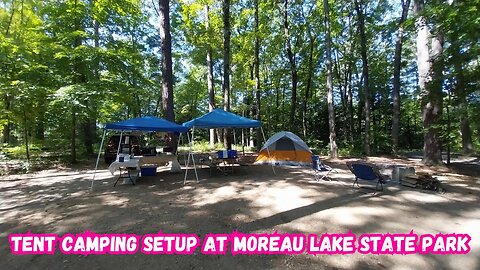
pixel 367 172
pixel 320 170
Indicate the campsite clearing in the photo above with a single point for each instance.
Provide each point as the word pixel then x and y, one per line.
pixel 253 200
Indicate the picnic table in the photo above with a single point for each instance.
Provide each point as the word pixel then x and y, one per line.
pixel 130 168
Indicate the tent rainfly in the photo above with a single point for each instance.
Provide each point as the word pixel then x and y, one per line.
pixel 219 118
pixel 145 124
pixel 285 148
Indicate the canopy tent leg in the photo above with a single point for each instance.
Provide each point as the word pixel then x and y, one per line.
pixel 98 158
pixel 193 159
pixel 268 151
pixel 190 154
pixel 234 139
pixel 187 163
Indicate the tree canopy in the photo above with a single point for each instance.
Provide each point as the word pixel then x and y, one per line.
pixel 322 69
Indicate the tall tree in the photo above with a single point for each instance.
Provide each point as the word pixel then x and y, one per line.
pixel 293 66
pixel 331 109
pixel 430 86
pixel 310 73
pixel 459 33
pixel 79 77
pixel 210 81
pixel 257 73
pixel 226 65
pixel 366 91
pixel 167 73
pixel 396 77
pixel 461 92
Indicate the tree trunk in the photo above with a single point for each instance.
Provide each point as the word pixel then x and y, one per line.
pixel 40 127
pixel 249 103
pixel 25 134
pixel 309 84
pixel 293 68
pixel 226 66
pixel 396 78
pixel 87 131
pixel 7 128
pixel 210 82
pixel 73 155
pixel 433 105
pixel 79 78
pixel 363 45
pixel 331 110
pixel 257 76
pixel 460 90
pixel 351 127
pixel 167 73
pixel 10 20
pixel 429 80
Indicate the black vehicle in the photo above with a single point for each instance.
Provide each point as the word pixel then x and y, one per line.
pixel 132 147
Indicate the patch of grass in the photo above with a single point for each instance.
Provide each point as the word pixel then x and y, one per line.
pixel 19 152
pixel 204 147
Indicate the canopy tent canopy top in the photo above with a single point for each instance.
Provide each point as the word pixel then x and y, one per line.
pixel 219 118
pixel 147 123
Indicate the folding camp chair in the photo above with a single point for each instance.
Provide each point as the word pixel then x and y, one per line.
pixel 320 170
pixel 366 171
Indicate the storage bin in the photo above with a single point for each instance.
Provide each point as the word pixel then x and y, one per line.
pixel 148 171
pixel 232 153
pixel 227 154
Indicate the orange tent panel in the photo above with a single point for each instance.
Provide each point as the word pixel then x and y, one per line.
pixel 275 155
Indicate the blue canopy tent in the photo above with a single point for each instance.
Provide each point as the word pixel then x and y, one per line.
pixel 146 124
pixel 218 118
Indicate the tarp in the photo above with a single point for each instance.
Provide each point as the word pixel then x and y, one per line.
pixel 219 118
pixel 147 123
pixel 285 148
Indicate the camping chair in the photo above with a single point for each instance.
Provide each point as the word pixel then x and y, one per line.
pixel 366 171
pixel 320 170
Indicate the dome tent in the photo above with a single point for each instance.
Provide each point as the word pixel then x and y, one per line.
pixel 285 148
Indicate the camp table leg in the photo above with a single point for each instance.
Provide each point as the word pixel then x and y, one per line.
pixel 126 176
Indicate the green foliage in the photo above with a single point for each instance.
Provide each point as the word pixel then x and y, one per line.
pixel 18 152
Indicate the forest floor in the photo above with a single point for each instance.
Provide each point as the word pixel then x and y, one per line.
pixel 250 200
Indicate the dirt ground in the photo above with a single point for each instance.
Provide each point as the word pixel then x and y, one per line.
pixel 250 200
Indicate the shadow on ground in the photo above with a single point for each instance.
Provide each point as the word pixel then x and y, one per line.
pixel 251 200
